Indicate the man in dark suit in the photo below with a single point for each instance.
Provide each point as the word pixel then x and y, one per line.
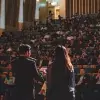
pixel 82 82
pixel 25 71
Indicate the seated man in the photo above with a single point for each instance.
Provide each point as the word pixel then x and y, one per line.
pixel 82 81
pixel 98 77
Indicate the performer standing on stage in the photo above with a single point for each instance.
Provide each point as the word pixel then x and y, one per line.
pixel 60 77
pixel 25 71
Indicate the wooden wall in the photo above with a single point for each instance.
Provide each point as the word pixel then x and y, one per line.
pixel 82 6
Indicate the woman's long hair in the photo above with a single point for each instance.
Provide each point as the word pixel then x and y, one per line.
pixel 62 58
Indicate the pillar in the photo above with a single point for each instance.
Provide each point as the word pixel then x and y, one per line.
pixel 88 6
pixel 67 8
pixel 79 7
pixel 98 4
pixel 70 8
pixel 2 17
pixel 29 12
pixel 82 6
pixel 85 5
pixel 94 6
pixel 75 6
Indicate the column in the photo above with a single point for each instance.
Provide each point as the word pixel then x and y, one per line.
pixel 79 8
pixel 33 9
pixel 93 2
pixel 26 9
pixel 73 7
pixel 2 17
pixel 30 10
pixel 20 19
pixel 67 8
pixel 94 6
pixel 15 13
pixel 76 6
pixel 88 6
pixel 70 8
pixel 85 5
pixel 82 6
pixel 98 4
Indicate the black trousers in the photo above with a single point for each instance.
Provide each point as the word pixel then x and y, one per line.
pixel 39 97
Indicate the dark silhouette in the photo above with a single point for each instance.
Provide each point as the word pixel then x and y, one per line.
pixel 60 77
pixel 25 71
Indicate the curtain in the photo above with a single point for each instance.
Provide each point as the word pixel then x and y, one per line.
pixel 29 10
pixel 12 12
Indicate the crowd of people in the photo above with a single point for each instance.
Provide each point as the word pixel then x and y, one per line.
pixel 80 34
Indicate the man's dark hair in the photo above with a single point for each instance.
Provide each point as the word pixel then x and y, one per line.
pixel 23 48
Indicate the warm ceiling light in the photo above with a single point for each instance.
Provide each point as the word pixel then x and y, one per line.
pixel 37 0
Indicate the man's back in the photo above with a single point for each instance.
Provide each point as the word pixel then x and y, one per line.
pixel 25 71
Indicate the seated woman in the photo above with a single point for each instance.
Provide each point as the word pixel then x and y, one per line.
pixel 2 85
pixel 10 84
pixel 10 80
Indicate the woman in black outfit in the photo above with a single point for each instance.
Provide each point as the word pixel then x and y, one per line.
pixel 60 77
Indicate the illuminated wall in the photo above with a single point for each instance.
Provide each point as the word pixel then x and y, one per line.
pixel 62 8
pixel 61 4
pixel 56 2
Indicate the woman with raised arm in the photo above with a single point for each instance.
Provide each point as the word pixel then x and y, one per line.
pixel 60 77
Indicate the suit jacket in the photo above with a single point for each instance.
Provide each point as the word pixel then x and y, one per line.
pixel 86 79
pixel 25 71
